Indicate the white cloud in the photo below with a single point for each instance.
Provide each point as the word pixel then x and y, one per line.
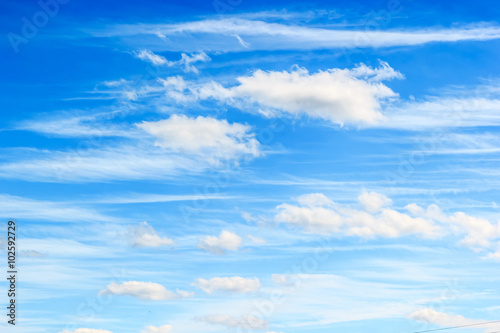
pixel 315 213
pixel 235 284
pixel 479 232
pixel 119 162
pixel 23 208
pixel 87 330
pixel 373 201
pixel 149 56
pixel 442 319
pixel 336 95
pixel 325 219
pixel 352 96
pixel 456 106
pixel 145 291
pixel 186 60
pixel 243 322
pixel 218 34
pixel 160 329
pixel 256 240
pixel 314 200
pixel 211 138
pixel 226 241
pixel 145 236
pixel 184 145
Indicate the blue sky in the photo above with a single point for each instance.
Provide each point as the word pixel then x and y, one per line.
pixel 252 166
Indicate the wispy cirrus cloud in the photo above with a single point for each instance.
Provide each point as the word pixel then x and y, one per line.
pixel 218 35
pixel 243 322
pixel 186 61
pixel 15 207
pixel 163 149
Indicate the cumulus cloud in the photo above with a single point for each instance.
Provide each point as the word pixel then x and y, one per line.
pixel 339 96
pixel 226 241
pixel 316 213
pixel 479 232
pixel 86 330
pixel 243 322
pixel 336 95
pixel 160 329
pixel 145 291
pixel 211 138
pixel 234 284
pixel 145 236
pixel 319 216
pixel 373 201
pixel 186 60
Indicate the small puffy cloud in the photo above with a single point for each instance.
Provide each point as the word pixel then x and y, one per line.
pixel 440 318
pixel 316 213
pixel 145 291
pixel 336 95
pixel 243 322
pixel 86 330
pixel 226 241
pixel 210 138
pixel 234 284
pixel 160 329
pixel 373 201
pixel 145 236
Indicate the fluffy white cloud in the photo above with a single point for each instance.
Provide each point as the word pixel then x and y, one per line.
pixel 86 330
pixel 243 322
pixel 211 138
pixel 145 290
pixel 320 216
pixel 145 236
pixel 373 201
pixel 315 213
pixel 351 96
pixel 160 329
pixel 226 241
pixel 336 95
pixel 479 232
pixel 235 284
